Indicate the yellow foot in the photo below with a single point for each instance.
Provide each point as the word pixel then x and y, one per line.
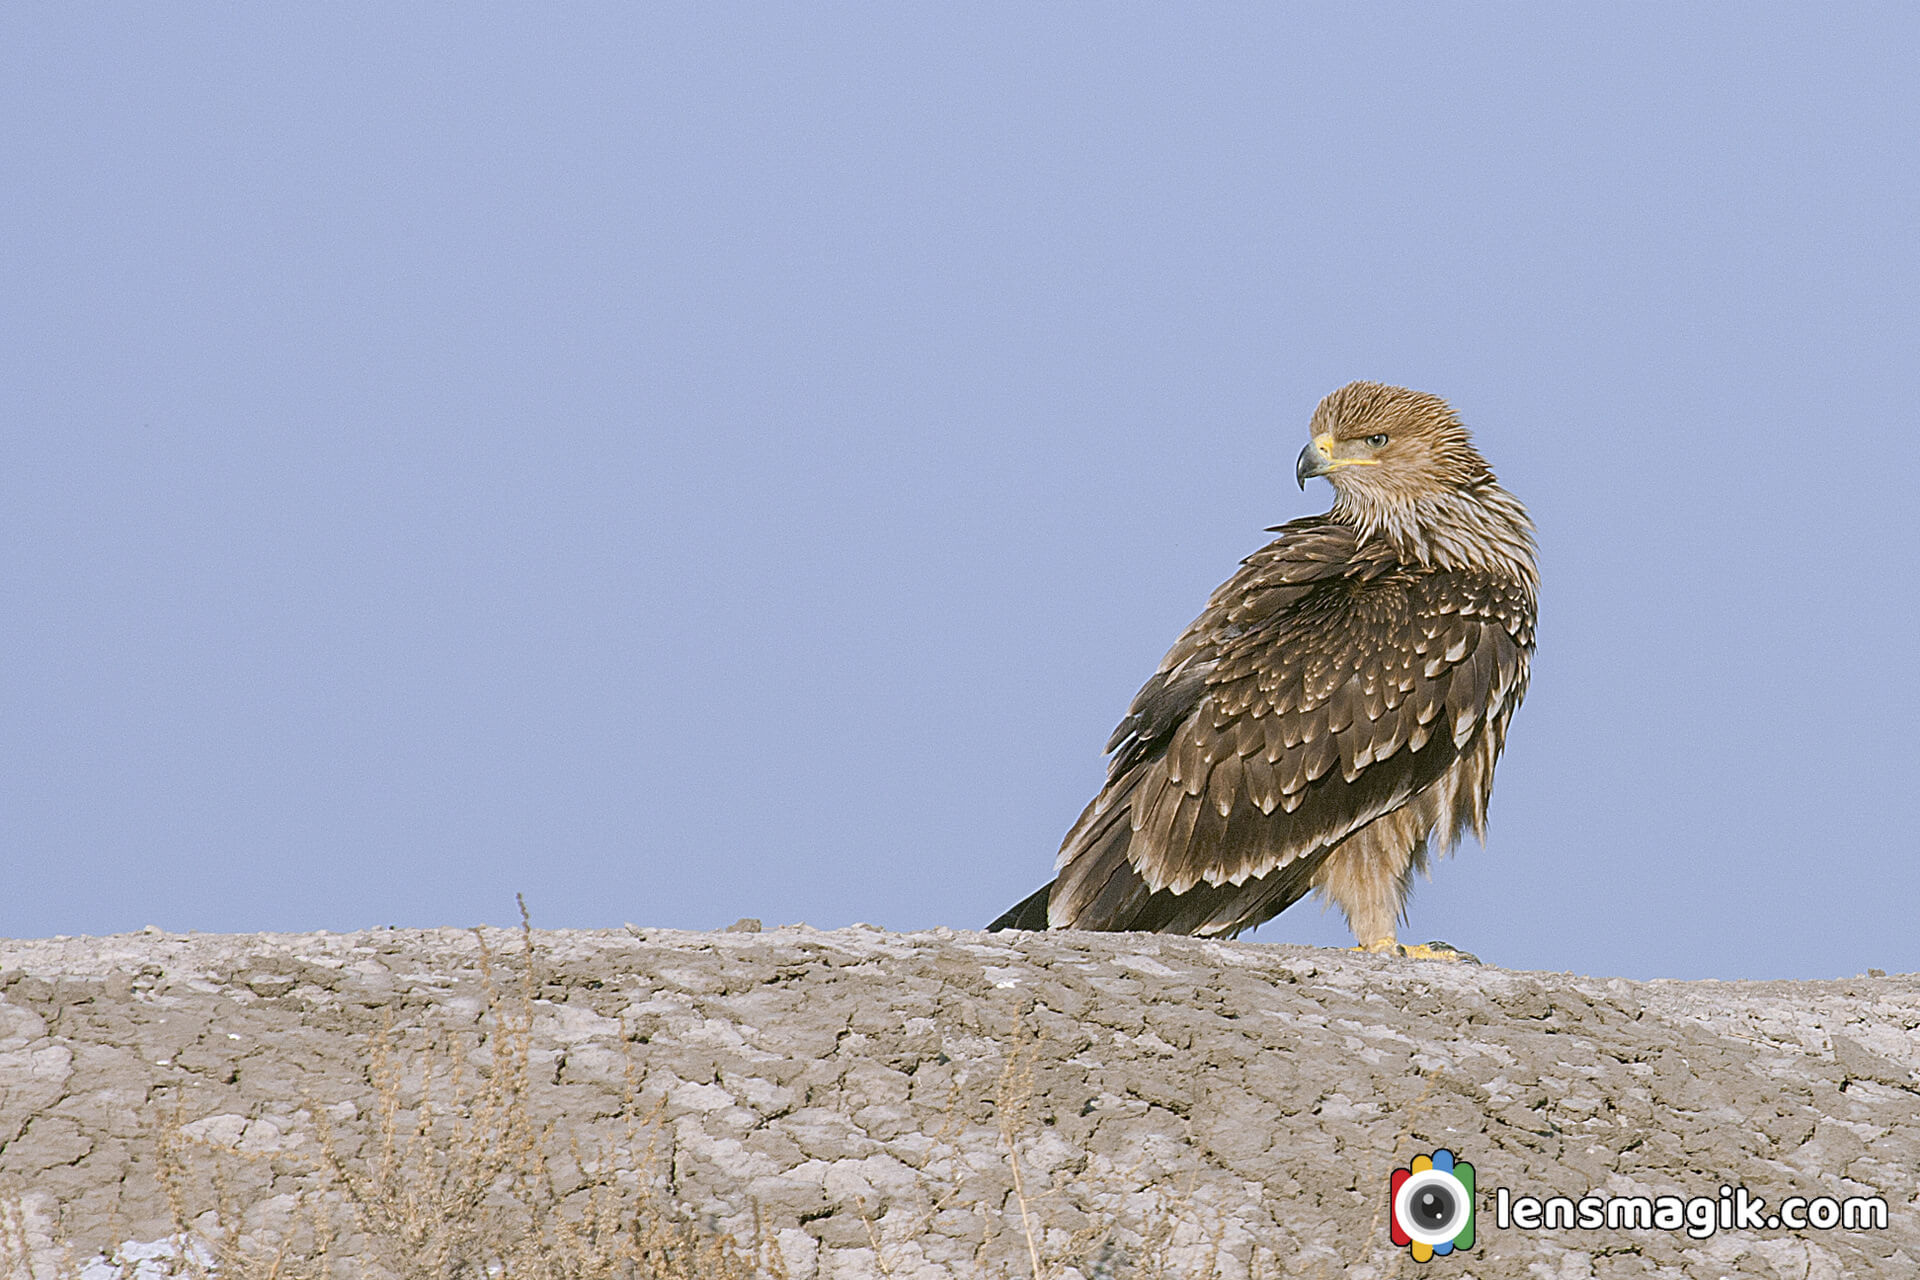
pixel 1427 951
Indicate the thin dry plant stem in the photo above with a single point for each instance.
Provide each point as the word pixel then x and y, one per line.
pixel 1016 1090
pixel 873 1236
pixel 454 1180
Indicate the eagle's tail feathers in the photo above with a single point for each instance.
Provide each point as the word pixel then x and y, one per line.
pixel 1029 913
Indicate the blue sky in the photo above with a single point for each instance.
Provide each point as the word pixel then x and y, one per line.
pixel 710 461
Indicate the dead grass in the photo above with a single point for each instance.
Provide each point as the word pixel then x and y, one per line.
pixel 454 1179
pixel 1159 1244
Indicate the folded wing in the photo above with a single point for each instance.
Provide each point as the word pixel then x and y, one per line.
pixel 1324 686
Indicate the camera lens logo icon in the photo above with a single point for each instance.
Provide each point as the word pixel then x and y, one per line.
pixel 1433 1205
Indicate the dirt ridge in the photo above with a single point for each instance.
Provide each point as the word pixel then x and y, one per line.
pixel 1196 1106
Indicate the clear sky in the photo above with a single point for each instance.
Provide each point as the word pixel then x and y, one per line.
pixel 688 462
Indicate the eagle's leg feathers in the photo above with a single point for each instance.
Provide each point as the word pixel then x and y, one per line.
pixel 1370 874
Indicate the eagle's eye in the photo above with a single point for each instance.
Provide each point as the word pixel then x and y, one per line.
pixel 1377 440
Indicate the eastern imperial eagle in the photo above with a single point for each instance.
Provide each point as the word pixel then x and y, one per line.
pixel 1336 711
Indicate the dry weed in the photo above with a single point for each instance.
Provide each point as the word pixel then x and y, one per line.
pixel 454 1180
pixel 1175 1236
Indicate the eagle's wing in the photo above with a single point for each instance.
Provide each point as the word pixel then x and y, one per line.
pixel 1324 685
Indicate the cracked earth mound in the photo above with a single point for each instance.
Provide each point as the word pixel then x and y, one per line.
pixel 961 1104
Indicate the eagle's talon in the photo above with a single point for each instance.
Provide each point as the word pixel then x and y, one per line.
pixel 1437 950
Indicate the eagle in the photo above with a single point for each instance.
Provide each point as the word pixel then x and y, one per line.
pixel 1333 717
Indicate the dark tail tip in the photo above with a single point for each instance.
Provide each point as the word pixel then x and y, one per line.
pixel 1029 913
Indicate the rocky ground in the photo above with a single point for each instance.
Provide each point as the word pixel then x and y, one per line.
pixel 961 1104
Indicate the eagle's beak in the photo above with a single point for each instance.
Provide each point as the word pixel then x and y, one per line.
pixel 1312 463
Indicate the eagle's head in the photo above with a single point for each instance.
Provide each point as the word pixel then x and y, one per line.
pixel 1383 446
pixel 1402 467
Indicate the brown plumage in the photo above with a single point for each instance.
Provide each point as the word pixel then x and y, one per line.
pixel 1337 709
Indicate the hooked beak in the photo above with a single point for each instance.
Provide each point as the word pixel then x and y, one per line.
pixel 1317 460
pixel 1313 462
